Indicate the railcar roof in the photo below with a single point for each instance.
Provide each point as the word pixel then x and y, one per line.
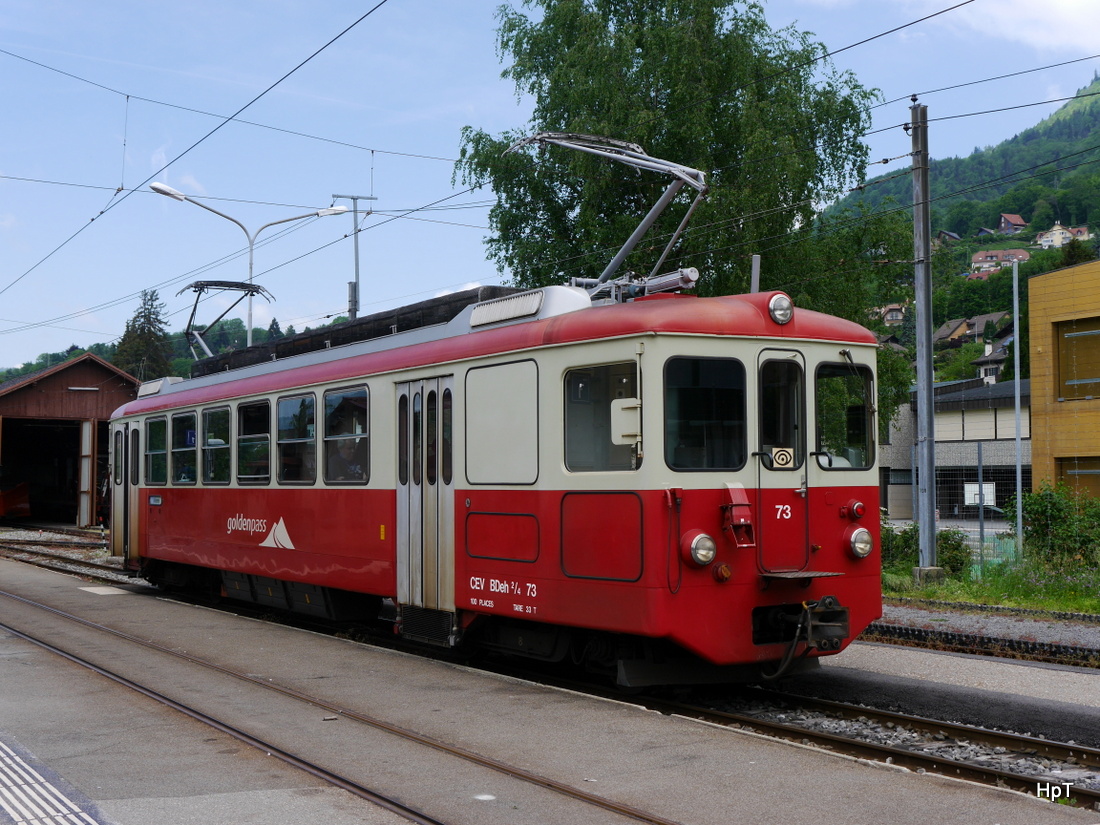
pixel 567 317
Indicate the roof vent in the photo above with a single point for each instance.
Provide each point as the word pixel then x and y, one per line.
pixel 522 305
pixel 154 387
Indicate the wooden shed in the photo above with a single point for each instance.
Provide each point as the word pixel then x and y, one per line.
pixel 54 440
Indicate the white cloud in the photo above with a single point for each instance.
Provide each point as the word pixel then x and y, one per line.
pixel 192 186
pixel 1056 26
pixel 159 157
pixel 462 288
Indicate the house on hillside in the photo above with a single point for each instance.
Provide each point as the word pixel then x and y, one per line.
pixel 1058 236
pixel 891 342
pixel 953 330
pixel 992 260
pixel 990 363
pixel 967 330
pixel 891 314
pixel 1010 224
pixel 976 325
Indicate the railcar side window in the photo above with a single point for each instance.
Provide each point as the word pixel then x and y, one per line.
pixel 297 440
pixel 135 455
pixel 417 439
pixel 782 425
pixel 184 462
pixel 118 456
pixel 705 414
pixel 156 451
pixel 448 440
pixel 588 438
pixel 845 408
pixel 347 442
pixel 403 440
pixel 215 446
pixel 254 443
pixel 431 439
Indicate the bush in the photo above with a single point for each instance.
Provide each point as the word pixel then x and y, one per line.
pixel 901 549
pixel 1061 524
pixel 953 552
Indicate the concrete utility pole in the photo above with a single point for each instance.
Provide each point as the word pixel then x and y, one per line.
pixel 922 288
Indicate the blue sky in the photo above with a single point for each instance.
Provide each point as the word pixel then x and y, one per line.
pixel 98 97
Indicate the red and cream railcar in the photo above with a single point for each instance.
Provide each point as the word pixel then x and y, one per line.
pixel 638 485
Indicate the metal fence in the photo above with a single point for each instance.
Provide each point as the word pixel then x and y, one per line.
pixel 977 454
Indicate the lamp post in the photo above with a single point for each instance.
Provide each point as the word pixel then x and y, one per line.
pixel 163 189
pixel 353 292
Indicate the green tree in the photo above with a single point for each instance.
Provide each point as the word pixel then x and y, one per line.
pixel 1042 215
pixel 1074 252
pixel 895 377
pixel 989 332
pixel 846 263
pixel 181 366
pixel 962 218
pixel 954 364
pixel 274 331
pixel 144 348
pixel 705 83
pixel 104 351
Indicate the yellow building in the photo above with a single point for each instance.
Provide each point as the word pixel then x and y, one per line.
pixel 1064 312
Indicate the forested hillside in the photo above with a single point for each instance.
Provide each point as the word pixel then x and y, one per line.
pixel 1048 173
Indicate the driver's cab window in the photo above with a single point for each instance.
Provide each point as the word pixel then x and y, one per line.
pixel 845 416
pixel 782 441
pixel 589 442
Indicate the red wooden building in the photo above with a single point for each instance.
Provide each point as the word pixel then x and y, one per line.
pixel 53 439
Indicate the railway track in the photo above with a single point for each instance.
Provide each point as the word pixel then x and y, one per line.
pixel 921 744
pixel 335 775
pixel 977 754
pixel 1004 648
pixel 70 557
pixel 1002 759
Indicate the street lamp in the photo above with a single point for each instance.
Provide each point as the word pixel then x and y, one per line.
pixel 353 291
pixel 163 189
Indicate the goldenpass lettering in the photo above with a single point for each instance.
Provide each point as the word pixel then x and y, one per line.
pixel 242 524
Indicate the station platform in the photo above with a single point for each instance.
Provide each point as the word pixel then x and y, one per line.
pixel 129 761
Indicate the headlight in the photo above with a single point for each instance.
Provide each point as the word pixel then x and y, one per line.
pixel 703 550
pixel 781 308
pixel 699 547
pixel 861 543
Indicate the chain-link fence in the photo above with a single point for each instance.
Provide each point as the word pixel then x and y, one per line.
pixel 977 454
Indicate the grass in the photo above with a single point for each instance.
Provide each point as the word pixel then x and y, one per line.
pixel 1070 587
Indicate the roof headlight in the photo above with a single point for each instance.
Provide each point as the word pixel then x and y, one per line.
pixel 781 308
pixel 861 542
pixel 699 547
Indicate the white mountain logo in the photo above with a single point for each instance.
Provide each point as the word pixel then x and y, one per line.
pixel 278 537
